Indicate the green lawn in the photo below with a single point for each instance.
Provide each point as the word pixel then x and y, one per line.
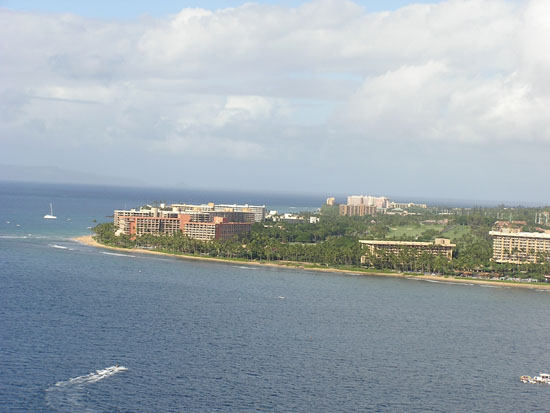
pixel 412 230
pixel 456 232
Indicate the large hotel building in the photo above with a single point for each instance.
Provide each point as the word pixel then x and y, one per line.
pixel 361 205
pixel 203 222
pixel 512 246
pixel 441 246
pixel 356 210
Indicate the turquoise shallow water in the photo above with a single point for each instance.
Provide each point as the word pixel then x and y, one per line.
pixel 197 336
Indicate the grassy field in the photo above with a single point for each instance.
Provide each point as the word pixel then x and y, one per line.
pixel 412 230
pixel 456 232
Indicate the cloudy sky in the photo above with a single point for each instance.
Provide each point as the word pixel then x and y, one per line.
pixel 439 99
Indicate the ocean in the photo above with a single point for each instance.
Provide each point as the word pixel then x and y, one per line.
pixel 193 336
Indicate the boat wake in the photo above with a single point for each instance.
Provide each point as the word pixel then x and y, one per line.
pixel 66 396
pixel 61 247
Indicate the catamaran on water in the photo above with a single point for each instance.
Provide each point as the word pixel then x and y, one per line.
pixel 50 215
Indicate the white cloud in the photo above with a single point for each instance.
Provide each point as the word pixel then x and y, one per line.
pixel 257 80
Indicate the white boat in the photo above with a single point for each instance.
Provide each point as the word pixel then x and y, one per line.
pixel 50 215
pixel 543 378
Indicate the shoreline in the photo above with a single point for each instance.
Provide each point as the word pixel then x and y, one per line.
pixel 89 241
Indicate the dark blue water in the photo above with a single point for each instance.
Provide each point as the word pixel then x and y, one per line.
pixel 198 336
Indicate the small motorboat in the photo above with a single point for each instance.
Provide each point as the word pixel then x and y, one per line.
pixel 526 379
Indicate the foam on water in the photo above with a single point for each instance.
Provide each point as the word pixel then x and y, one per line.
pixel 118 255
pixel 59 246
pixel 447 282
pixel 67 395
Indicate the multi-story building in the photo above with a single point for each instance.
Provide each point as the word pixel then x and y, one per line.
pixel 142 212
pixel 405 205
pixel 377 201
pixel 357 210
pixel 187 224
pixel 380 202
pixel 139 225
pixel 440 246
pixel 219 229
pixel 331 201
pixel 357 200
pixel 259 211
pixel 512 246
pixel 205 222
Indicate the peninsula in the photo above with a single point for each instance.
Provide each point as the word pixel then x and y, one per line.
pixel 403 240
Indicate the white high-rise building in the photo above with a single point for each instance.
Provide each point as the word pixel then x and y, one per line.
pixel 379 202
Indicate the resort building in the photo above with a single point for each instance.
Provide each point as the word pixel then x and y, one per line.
pixel 380 202
pixel 360 205
pixel 219 229
pixel 441 246
pixel 187 224
pixel 142 213
pixel 512 246
pixel 405 205
pixel 357 210
pixel 204 222
pixel 259 211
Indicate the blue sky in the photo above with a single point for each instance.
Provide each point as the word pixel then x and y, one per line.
pixel 447 99
pixel 128 9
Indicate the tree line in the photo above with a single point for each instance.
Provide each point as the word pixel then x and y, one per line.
pixel 334 242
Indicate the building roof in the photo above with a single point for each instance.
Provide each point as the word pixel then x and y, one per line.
pixel 520 234
pixel 405 243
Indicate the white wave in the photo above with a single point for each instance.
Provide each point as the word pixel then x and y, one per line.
pixel 448 282
pixel 59 246
pixel 14 236
pixel 246 268
pixel 118 255
pixel 66 395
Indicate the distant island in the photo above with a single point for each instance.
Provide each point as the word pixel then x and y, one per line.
pixel 365 235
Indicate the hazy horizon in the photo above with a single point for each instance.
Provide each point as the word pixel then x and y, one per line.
pixel 410 99
pixel 258 196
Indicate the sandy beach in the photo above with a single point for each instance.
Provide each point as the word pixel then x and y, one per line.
pixel 88 240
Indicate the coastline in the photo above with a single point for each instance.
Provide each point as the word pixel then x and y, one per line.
pixel 89 241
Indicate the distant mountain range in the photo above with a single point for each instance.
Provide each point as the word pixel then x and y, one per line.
pixel 54 175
